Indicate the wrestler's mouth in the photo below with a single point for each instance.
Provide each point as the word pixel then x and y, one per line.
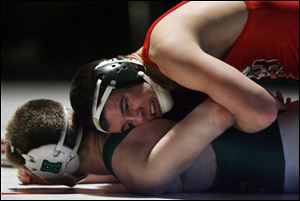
pixel 152 108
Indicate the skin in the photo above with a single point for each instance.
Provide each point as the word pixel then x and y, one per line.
pixel 197 63
pixel 149 164
pixel 152 155
pixel 89 153
pixel 135 104
pixel 131 107
pixel 156 152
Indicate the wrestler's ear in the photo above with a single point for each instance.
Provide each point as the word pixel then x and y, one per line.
pixel 135 56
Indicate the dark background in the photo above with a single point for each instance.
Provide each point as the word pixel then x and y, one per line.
pixel 50 40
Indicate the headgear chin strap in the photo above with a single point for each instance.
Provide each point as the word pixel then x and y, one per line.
pixel 164 97
pixel 117 74
pixel 55 161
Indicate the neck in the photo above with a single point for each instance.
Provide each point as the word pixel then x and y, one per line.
pixel 91 161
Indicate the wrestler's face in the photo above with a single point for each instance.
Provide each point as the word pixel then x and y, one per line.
pixel 131 107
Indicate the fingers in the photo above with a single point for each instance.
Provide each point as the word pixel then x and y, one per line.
pixel 3 146
pixel 279 96
pixel 24 176
pixel 3 141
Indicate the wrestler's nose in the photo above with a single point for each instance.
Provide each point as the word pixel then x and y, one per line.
pixel 136 116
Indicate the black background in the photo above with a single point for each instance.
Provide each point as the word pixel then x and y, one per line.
pixel 50 40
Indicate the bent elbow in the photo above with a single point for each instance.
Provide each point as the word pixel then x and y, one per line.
pixel 257 120
pixel 260 121
pixel 264 112
pixel 267 111
pixel 266 118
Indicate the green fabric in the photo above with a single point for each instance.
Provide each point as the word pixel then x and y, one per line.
pixel 112 141
pixel 249 162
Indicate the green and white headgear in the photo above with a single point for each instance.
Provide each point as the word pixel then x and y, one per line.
pixel 54 162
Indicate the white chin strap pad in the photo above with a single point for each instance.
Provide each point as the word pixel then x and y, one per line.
pixel 164 97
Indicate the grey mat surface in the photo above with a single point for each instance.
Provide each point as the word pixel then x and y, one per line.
pixel 16 94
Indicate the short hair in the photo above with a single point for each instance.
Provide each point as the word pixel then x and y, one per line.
pixel 36 123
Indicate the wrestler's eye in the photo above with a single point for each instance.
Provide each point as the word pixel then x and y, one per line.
pixel 126 104
pixel 128 125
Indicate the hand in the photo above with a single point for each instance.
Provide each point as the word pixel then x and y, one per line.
pixel 3 146
pixel 4 161
pixel 280 98
pixel 281 103
pixel 26 177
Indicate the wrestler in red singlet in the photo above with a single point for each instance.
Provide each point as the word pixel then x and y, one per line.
pixel 268 45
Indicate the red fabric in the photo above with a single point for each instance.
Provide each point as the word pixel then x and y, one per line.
pixel 145 52
pixel 270 38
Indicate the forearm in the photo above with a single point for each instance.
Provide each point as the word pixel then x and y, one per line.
pixel 253 113
pixel 188 138
pixel 26 177
pixel 253 108
pixel 163 150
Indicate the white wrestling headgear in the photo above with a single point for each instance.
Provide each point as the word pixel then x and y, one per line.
pixel 55 161
pixel 117 74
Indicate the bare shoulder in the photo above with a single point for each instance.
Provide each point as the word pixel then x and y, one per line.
pixel 200 21
pixel 149 132
pixel 142 139
pixel 200 13
pixel 130 156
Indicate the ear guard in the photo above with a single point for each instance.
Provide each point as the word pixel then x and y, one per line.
pixel 117 74
pixel 55 161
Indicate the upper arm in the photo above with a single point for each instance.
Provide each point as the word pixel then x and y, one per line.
pixel 130 162
pixel 191 67
pixel 178 49
pixel 151 161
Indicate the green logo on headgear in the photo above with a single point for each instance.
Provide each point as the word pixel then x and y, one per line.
pixel 51 167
